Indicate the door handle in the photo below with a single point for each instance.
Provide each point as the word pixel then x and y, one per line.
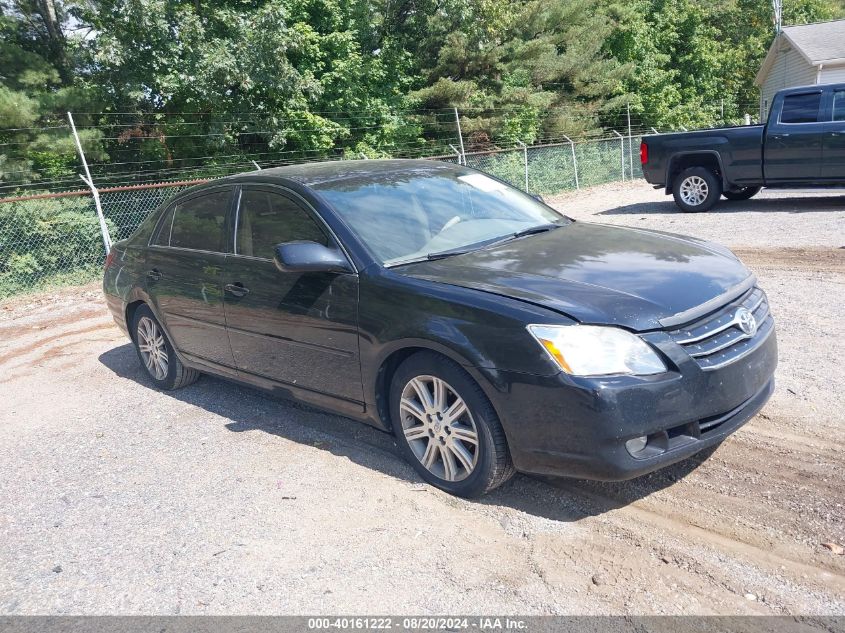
pixel 237 289
pixel 154 274
pixel 779 137
pixel 837 133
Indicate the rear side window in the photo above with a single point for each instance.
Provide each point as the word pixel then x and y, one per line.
pixel 198 223
pixel 266 219
pixel 801 108
pixel 839 105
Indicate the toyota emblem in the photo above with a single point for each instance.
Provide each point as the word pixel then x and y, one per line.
pixel 746 321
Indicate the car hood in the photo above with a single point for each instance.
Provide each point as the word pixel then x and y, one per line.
pixel 597 273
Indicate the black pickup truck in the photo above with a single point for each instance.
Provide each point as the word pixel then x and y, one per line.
pixel 802 145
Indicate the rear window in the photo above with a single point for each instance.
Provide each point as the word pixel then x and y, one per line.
pixel 802 108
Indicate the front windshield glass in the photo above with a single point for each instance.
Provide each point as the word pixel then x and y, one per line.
pixel 420 211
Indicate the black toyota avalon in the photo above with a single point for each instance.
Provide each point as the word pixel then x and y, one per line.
pixel 485 330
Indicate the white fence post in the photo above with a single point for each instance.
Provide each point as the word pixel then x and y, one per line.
pixel 460 135
pixel 630 143
pixel 257 166
pixel 525 161
pixel 574 161
pixel 655 130
pixel 104 229
pixel 457 153
pixel 622 145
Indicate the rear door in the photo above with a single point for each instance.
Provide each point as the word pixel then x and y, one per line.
pixel 296 328
pixel 793 147
pixel 184 274
pixel 833 152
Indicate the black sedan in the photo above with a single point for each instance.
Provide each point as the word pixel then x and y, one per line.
pixel 488 332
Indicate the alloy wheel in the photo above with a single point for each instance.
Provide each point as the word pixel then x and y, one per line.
pixel 694 190
pixel 439 428
pixel 153 348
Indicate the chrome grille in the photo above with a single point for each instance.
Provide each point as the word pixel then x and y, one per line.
pixel 717 340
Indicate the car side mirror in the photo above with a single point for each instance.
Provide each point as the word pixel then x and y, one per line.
pixel 309 257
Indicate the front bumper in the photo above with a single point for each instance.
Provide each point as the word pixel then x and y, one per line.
pixel 578 427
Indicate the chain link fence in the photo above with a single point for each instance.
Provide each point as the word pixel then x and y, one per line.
pixel 55 239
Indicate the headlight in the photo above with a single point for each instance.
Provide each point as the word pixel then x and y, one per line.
pixel 592 350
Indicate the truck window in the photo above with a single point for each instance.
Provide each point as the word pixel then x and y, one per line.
pixel 802 108
pixel 839 105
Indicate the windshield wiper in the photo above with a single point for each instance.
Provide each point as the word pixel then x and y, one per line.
pixel 540 228
pixel 533 230
pixel 430 257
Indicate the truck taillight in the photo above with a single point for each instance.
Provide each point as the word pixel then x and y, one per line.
pixel 643 153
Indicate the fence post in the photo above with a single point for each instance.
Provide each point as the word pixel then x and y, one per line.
pixel 460 135
pixel 257 166
pixel 655 131
pixel 630 143
pixel 104 229
pixel 574 160
pixel 457 153
pixel 622 145
pixel 525 162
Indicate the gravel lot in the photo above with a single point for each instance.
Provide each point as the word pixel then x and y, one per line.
pixel 116 498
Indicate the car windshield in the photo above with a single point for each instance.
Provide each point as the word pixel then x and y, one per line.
pixel 420 212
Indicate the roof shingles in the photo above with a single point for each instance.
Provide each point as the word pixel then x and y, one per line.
pixel 820 42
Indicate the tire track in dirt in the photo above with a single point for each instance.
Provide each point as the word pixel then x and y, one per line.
pixel 31 346
pixel 660 528
pixel 811 259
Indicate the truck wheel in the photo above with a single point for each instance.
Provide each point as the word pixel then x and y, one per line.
pixel 696 189
pixel 742 194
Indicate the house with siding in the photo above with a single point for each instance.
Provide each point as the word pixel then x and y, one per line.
pixel 802 55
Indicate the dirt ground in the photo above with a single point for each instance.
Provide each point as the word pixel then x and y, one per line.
pixel 216 499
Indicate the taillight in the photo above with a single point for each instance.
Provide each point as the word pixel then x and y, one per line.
pixel 643 153
pixel 109 259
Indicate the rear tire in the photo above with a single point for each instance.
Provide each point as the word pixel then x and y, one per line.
pixel 696 189
pixel 156 353
pixel 745 193
pixel 442 418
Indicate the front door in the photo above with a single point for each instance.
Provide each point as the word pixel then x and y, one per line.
pixel 833 153
pixel 793 144
pixel 184 275
pixel 295 328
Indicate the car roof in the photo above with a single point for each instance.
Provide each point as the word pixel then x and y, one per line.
pixel 320 173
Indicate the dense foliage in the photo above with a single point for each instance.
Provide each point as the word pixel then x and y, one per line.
pixel 181 83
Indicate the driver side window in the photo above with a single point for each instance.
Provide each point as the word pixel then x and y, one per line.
pixel 266 218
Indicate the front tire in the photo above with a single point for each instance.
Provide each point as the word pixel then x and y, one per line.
pixel 447 428
pixel 746 193
pixel 156 353
pixel 696 189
